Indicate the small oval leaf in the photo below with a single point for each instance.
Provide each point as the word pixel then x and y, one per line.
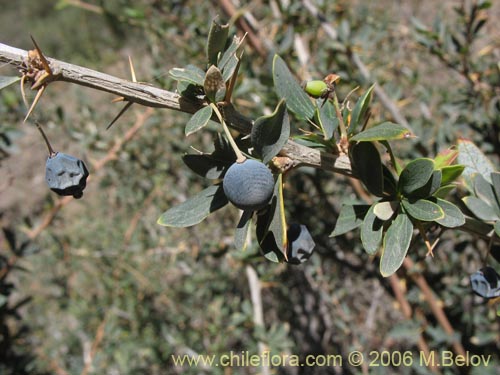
pixel 480 209
pixel 423 210
pixel 206 165
pixel 396 244
pixel 191 74
pixel 415 175
pixel 198 120
pixel 474 161
pixel 371 232
pixel 385 210
pixel 453 217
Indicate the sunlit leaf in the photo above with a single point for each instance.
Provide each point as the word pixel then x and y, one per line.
pixel 360 109
pixel 480 209
pixel 195 209
pixel 190 73
pixel 451 173
pixel 287 87
pixel 199 120
pixel 396 243
pixel 474 161
pixel 7 81
pixel 453 217
pixel 385 210
pixel 372 230
pixel 350 217
pixel 241 232
pixel 423 210
pixel 385 131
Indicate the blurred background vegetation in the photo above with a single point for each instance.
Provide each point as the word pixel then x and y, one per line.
pixel 104 290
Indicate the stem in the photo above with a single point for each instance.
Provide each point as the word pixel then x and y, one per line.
pixel 52 153
pixel 240 158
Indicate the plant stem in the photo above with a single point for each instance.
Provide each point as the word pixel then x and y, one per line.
pixel 240 158
pixel 343 130
pixel 52 153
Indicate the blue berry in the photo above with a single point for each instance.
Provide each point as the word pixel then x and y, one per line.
pixel 300 244
pixel 249 185
pixel 66 175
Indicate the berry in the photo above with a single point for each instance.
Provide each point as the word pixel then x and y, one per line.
pixel 486 283
pixel 300 244
pixel 66 175
pixel 316 88
pixel 249 185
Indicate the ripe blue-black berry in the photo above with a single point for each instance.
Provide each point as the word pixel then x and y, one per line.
pixel 66 175
pixel 248 185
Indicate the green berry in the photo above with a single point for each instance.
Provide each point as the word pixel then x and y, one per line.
pixel 316 88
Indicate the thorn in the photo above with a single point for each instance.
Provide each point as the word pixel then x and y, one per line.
pixel 132 70
pixel 127 106
pixel 119 99
pixel 23 93
pixel 45 62
pixel 41 80
pixel 35 101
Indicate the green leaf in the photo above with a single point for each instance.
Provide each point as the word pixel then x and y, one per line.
pixel 368 166
pixel 230 53
pixel 288 88
pixel 444 190
pixel 360 109
pixel 198 120
pixel 214 84
pixel 451 173
pixel 326 118
pixel 480 209
pixel 195 209
pixel 423 210
pixel 445 158
pixel 271 226
pixel 396 244
pixel 190 73
pixel 241 232
pixel 495 180
pixel 415 175
pixel 229 68
pixel 206 165
pixel 429 188
pixel 474 161
pixel 350 217
pixel 372 230
pixel 7 81
pixel 453 217
pixel 270 133
pixel 497 228
pixel 485 192
pixel 217 38
pixel 385 131
pixel 386 209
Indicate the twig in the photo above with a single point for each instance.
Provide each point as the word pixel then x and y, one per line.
pixel 436 309
pixel 258 314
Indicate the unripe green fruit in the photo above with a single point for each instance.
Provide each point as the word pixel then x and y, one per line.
pixel 249 185
pixel 316 88
pixel 300 244
pixel 66 175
